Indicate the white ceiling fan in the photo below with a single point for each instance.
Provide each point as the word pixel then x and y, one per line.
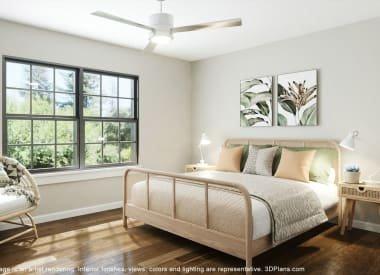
pixel 161 26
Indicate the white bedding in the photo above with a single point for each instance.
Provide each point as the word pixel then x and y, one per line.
pixel 12 203
pixel 226 210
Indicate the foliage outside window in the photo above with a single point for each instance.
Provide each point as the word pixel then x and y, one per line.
pixel 53 122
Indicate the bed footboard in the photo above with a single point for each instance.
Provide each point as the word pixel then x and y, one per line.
pixel 239 247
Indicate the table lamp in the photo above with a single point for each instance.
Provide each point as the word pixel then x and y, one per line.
pixel 203 142
pixel 349 141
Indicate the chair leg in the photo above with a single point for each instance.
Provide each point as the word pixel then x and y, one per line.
pixel 33 224
pixel 16 236
pixel 29 228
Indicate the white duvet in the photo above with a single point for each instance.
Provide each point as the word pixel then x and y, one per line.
pixel 226 209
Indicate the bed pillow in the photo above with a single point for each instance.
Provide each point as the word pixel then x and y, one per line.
pixel 244 155
pixel 295 165
pixel 229 159
pixel 260 160
pixel 4 179
pixel 322 169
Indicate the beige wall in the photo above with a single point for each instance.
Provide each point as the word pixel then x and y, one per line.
pixel 348 60
pixel 165 110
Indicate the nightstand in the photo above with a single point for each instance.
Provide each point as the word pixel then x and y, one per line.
pixel 351 193
pixel 198 167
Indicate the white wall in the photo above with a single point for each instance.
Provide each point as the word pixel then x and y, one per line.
pixel 174 93
pixel 348 60
pixel 165 109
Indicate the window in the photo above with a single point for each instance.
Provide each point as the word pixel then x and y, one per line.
pixel 60 117
pixel 109 118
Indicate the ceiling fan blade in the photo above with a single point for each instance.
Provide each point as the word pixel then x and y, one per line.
pixel 121 20
pixel 211 25
pixel 150 47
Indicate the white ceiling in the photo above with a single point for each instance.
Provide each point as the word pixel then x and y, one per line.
pixel 263 20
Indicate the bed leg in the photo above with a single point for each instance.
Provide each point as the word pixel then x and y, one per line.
pixel 248 265
pixel 125 220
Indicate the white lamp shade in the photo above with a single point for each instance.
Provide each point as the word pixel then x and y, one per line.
pixel 204 140
pixel 349 141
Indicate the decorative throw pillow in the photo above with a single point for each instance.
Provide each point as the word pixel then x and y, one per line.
pixel 260 160
pixel 295 165
pixel 4 179
pixel 229 159
pixel 13 169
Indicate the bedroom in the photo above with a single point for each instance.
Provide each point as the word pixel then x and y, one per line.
pixel 177 92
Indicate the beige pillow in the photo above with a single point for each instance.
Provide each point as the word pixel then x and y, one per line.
pixel 229 159
pixel 295 165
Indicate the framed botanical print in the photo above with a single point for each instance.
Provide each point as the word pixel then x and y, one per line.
pixel 297 98
pixel 256 96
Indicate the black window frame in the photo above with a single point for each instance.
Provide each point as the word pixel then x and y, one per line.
pixel 78 114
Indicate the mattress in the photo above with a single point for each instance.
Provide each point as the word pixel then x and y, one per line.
pixel 12 203
pixel 226 208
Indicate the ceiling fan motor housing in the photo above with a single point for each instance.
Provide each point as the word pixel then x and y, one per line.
pixel 161 21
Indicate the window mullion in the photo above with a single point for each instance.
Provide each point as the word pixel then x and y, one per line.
pixel 53 91
pixel 101 94
pixel 81 122
pixel 136 115
pixel 55 143
pixel 103 144
pixel 119 142
pixel 32 146
pixel 30 89
pixel 55 122
pixel 31 114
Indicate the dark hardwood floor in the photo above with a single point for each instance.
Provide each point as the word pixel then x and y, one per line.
pixel 100 243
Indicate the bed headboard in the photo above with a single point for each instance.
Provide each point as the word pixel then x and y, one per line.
pixel 328 151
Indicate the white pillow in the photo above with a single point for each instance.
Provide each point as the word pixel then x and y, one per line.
pixel 260 161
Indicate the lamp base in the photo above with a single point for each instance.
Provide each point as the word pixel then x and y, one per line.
pixel 202 163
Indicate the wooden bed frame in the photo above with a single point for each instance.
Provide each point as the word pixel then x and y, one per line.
pixel 244 248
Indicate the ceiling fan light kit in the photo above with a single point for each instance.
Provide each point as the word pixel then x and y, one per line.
pixel 161 26
pixel 161 38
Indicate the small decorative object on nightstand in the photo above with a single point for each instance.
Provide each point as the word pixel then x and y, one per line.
pixel 198 167
pixel 351 174
pixel 350 193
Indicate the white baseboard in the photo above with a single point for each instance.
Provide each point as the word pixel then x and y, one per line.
pixel 373 227
pixel 70 213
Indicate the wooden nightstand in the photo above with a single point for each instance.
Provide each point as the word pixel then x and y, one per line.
pixel 350 193
pixel 198 167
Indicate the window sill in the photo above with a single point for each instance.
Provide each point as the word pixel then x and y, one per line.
pixel 79 175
